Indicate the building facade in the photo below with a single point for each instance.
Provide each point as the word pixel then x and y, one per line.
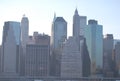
pixel 10 48
pixel 94 40
pixel 79 23
pixel 37 55
pixel 71 61
pixel 59 32
pixel 83 23
pixel 76 24
pixel 24 30
pixel 24 41
pixel 58 36
pixel 117 57
pixel 108 45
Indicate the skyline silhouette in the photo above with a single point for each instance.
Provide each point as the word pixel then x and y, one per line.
pixel 41 13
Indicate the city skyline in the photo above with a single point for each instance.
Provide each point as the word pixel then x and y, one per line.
pixel 41 13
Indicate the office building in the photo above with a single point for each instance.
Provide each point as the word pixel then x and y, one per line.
pixel 94 41
pixel 108 45
pixel 59 32
pixel 79 23
pixel 24 41
pixel 37 55
pixel 24 30
pixel 71 61
pixel 117 57
pixel 58 36
pixel 76 24
pixel 83 23
pixel 86 68
pixel 10 48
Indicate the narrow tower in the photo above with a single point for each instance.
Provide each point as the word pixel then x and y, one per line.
pixel 24 30
pixel 76 24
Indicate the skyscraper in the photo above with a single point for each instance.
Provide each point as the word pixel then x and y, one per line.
pixel 71 61
pixel 59 32
pixel 37 56
pixel 24 30
pixel 108 43
pixel 10 48
pixel 117 57
pixel 24 40
pixel 94 40
pixel 58 36
pixel 76 24
pixel 79 23
pixel 83 23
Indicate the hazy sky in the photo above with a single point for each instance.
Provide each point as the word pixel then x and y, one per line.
pixel 41 12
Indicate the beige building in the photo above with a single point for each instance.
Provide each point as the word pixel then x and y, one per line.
pixel 71 61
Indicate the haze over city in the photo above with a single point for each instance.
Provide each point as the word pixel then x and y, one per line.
pixel 41 13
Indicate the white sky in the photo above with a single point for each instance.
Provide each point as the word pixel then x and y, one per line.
pixel 41 12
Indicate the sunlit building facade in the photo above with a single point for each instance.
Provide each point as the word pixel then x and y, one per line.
pixel 94 40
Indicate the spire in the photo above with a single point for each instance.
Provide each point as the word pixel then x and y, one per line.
pixel 54 17
pixel 23 15
pixel 76 11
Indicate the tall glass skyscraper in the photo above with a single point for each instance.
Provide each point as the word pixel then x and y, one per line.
pixel 94 40
pixel 59 32
pixel 58 36
pixel 10 48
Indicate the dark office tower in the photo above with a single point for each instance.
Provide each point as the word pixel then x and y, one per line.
pixel 10 48
pixel 76 24
pixel 85 58
pixel 58 36
pixel 108 42
pixel 37 56
pixel 117 57
pixel 0 59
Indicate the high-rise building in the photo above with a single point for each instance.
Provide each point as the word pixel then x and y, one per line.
pixel 83 23
pixel 58 36
pixel 10 48
pixel 59 32
pixel 24 40
pixel 71 61
pixel 117 57
pixel 76 24
pixel 24 30
pixel 85 58
pixel 79 23
pixel 108 44
pixel 37 55
pixel 94 41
